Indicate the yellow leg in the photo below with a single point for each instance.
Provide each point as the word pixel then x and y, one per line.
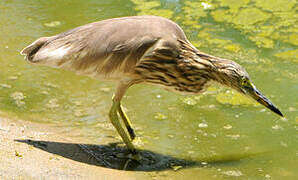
pixel 127 123
pixel 116 123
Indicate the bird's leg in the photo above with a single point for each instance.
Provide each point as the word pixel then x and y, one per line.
pixel 116 123
pixel 127 123
pixel 115 109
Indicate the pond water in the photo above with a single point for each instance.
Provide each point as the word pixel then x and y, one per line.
pixel 229 134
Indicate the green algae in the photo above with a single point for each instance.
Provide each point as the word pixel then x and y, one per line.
pixel 244 19
pixel 233 47
pixel 221 15
pixel 234 5
pixel 290 55
pixel 287 38
pixel 151 7
pixel 276 5
pixel 250 16
pixel 234 98
pixel 251 19
pixel 193 12
pixel 194 124
pixel 262 41
pixel 207 38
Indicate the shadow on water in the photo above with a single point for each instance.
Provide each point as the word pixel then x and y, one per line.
pixel 114 156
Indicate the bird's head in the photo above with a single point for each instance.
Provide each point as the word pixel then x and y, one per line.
pixel 233 75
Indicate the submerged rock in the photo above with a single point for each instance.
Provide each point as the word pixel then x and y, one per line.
pixel 52 24
pixel 5 86
pixel 233 173
pixel 53 103
pixel 228 126
pixel 160 116
pixel 12 78
pixel 18 98
pixel 176 168
pixel 203 125
pixel 80 113
pixel 189 101
pixel 105 90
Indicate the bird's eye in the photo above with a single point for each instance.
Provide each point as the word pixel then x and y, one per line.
pixel 245 82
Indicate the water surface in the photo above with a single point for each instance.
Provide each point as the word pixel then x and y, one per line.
pixel 219 125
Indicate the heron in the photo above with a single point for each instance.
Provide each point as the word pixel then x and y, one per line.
pixel 140 49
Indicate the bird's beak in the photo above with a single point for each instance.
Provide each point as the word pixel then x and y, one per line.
pixel 258 96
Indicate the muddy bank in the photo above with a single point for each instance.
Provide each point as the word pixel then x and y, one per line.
pixel 38 151
pixel 43 151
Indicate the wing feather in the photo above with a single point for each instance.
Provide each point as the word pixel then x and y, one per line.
pixel 112 46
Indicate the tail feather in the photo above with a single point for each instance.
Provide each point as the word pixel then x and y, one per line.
pixel 31 50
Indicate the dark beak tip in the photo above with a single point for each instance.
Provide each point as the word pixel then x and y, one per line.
pixel 266 102
pixel 280 114
pixel 277 111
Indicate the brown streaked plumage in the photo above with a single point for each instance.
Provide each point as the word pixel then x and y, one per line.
pixel 139 49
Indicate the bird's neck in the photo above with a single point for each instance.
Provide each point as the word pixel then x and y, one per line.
pixel 203 65
pixel 212 66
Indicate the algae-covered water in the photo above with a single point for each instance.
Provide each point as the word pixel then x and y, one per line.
pixel 230 135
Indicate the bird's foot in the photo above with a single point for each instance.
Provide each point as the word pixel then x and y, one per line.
pixel 131 155
pixel 134 155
